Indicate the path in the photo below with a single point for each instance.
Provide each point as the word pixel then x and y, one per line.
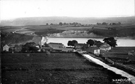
pixel 115 70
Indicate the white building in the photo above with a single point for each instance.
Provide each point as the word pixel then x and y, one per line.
pixel 6 48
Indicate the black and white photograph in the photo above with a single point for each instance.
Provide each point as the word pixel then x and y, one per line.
pixel 67 41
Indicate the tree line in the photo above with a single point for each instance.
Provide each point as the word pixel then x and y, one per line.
pixel 109 40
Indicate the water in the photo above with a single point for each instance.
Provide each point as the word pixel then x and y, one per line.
pixel 120 42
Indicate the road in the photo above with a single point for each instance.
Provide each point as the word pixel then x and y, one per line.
pixel 114 69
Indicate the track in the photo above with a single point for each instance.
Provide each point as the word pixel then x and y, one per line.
pixel 115 70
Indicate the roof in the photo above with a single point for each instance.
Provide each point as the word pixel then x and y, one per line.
pixel 56 44
pixel 37 39
pixel 6 46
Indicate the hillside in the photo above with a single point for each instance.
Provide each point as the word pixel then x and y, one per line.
pixel 56 20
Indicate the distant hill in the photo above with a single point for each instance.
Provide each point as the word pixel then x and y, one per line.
pixel 44 20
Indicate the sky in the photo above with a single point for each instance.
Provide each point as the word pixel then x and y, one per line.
pixel 12 9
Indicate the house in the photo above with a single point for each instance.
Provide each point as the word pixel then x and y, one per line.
pixel 97 52
pixel 6 48
pixel 56 46
pixel 80 46
pixel 105 47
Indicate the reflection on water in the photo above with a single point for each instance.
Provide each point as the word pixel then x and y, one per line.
pixel 120 42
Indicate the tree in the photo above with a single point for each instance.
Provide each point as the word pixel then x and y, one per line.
pixel 69 43
pixel 90 42
pixel 29 47
pixel 97 43
pixel 72 43
pixel 119 23
pixel 104 23
pixel 60 23
pixel 111 41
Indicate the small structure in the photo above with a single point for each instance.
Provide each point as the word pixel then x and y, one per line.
pixel 105 47
pixel 6 48
pixel 80 46
pixel 97 52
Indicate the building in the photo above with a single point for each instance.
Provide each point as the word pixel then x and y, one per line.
pixel 105 47
pixel 66 49
pixel 97 52
pixel 80 46
pixel 6 48
pixel 56 46
pixel 59 47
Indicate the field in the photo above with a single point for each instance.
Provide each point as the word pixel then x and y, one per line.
pixel 121 52
pixel 101 30
pixel 56 68
pixel 120 55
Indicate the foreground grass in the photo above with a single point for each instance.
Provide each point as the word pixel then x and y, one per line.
pixel 56 68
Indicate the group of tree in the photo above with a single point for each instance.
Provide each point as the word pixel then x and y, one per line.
pixel 73 23
pixel 91 42
pixel 105 23
pixel 30 47
pixel 109 40
pixel 72 43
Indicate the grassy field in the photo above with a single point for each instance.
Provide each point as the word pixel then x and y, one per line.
pixel 120 55
pixel 101 30
pixel 120 52
pixel 56 68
